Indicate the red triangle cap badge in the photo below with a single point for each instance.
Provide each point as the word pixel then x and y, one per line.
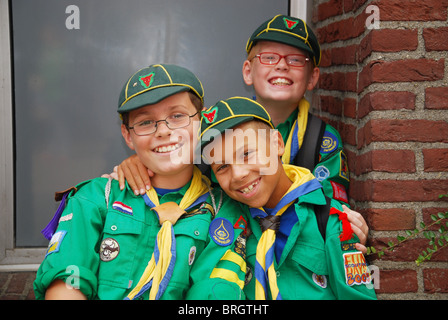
pixel 147 80
pixel 290 24
pixel 210 115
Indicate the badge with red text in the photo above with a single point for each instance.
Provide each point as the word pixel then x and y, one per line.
pixel 356 271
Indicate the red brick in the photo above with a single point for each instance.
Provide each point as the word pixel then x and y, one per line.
pixel 398 281
pixel 435 160
pixel 339 56
pixel 436 39
pixel 395 130
pixel 427 212
pixel 331 104
pixel 397 190
pixel 329 9
pixel 412 10
pixel 401 70
pixel 386 100
pixel 342 30
pixel 435 280
pixel 436 98
pixel 338 81
pixel 348 133
pixel 408 250
pixel 350 108
pixel 388 40
pixel 390 219
pixel 386 161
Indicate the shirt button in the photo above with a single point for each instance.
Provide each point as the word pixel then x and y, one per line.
pixel 114 228
pixel 278 274
pixel 197 233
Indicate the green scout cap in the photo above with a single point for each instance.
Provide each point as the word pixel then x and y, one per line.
pixel 227 114
pixel 152 84
pixel 287 30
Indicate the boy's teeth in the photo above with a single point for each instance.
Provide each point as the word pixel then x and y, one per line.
pixel 250 187
pixel 167 148
pixel 281 81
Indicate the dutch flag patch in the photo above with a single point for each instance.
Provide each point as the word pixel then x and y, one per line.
pixel 120 206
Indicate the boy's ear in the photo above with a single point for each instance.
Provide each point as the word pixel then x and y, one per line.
pixel 278 142
pixel 312 81
pixel 127 137
pixel 247 73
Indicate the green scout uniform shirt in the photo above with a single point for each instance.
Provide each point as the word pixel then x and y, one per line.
pixel 109 249
pixel 309 267
pixel 219 272
pixel 332 169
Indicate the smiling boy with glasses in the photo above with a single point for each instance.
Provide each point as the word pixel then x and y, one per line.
pixel 282 64
pixel 108 243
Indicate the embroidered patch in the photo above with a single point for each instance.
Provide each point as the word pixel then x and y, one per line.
pixel 109 249
pixel 248 276
pixel 191 255
pixel 211 115
pixel 67 217
pixel 120 206
pixel 240 246
pixel 55 242
pixel 221 231
pixel 321 173
pixel 241 224
pixel 290 24
pixel 147 80
pixel 339 192
pixel 329 143
pixel 356 271
pixel 321 281
pixel 348 246
pixel 343 170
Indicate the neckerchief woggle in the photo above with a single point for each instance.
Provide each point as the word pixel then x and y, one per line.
pixel 265 276
pixel 160 268
pixel 295 138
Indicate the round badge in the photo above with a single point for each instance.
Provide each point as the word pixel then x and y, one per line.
pixel 109 249
pixel 329 143
pixel 221 231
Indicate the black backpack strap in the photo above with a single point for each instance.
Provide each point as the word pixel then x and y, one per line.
pixel 322 213
pixel 308 155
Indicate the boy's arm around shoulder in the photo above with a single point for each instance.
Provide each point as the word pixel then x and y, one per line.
pixel 219 272
pixel 72 254
pixel 349 275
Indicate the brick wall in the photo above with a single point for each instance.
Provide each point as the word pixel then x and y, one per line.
pixel 386 91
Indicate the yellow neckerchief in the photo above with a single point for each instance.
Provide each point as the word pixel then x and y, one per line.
pixel 303 183
pixel 160 268
pixel 297 132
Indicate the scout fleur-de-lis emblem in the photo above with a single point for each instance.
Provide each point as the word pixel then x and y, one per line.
pixel 290 24
pixel 147 80
pixel 210 115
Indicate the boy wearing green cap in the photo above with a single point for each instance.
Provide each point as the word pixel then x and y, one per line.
pixel 108 243
pixel 287 255
pixel 282 64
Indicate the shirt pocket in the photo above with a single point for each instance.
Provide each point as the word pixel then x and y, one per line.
pixel 310 257
pixel 118 250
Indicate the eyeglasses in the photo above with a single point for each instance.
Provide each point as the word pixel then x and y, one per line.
pixel 272 59
pixel 174 121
